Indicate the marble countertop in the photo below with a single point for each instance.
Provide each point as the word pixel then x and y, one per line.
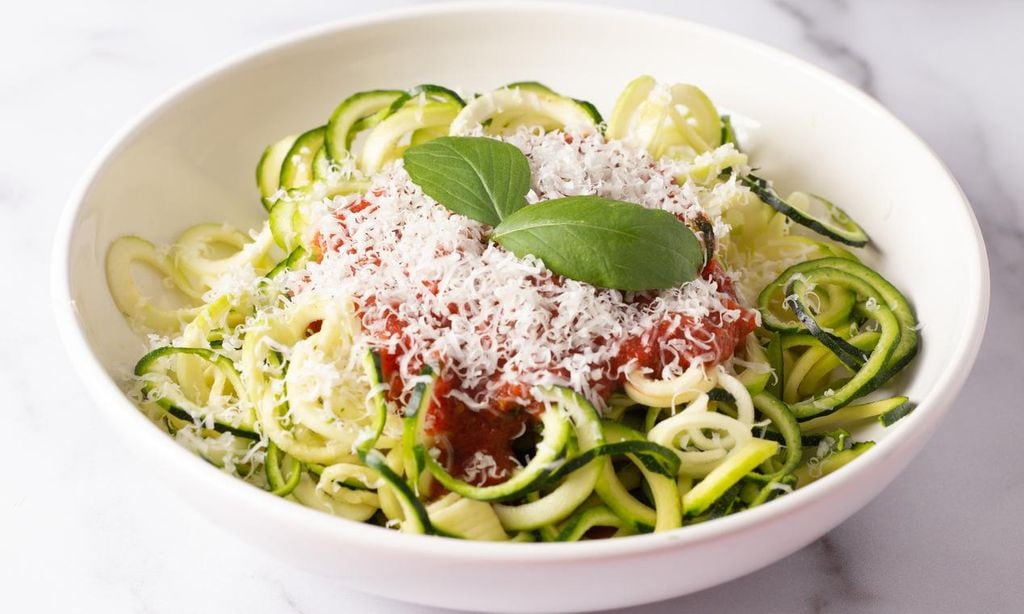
pixel 81 529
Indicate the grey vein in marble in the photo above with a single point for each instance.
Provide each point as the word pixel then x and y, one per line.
pixel 841 585
pixel 293 606
pixel 856 67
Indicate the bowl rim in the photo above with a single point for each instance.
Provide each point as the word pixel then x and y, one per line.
pixel 107 395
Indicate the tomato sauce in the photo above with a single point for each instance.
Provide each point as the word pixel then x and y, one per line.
pixel 464 432
pixel 716 338
pixel 461 434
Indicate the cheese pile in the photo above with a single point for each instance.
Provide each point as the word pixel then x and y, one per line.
pixel 430 288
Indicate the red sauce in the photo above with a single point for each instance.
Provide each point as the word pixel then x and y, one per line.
pixel 460 432
pixel 719 337
pixel 320 244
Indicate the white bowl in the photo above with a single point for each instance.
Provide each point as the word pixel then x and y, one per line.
pixel 190 159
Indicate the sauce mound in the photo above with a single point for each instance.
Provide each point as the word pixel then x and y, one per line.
pixel 431 290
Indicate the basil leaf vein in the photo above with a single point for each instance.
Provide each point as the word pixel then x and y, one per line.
pixel 484 179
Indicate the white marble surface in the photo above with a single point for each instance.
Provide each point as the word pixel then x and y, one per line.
pixel 81 529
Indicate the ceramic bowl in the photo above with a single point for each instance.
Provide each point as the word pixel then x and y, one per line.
pixel 191 157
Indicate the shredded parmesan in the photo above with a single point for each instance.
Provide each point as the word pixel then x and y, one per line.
pixel 482 467
pixel 496 321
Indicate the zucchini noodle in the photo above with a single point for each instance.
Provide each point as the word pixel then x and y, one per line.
pixel 284 387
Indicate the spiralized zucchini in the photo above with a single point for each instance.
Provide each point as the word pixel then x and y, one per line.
pixel 277 389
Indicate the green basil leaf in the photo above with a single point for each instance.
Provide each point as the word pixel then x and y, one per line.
pixel 606 243
pixel 481 178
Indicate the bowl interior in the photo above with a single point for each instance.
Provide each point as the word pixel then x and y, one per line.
pixel 192 159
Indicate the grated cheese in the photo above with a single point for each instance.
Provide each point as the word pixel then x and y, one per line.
pixel 482 467
pixel 495 320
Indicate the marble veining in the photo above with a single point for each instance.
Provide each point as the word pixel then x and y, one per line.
pixel 841 585
pixel 857 68
pixel 290 602
pixel 82 530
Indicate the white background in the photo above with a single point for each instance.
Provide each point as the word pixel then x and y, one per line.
pixel 83 529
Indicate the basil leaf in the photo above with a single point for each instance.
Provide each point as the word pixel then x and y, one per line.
pixel 606 243
pixel 481 178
